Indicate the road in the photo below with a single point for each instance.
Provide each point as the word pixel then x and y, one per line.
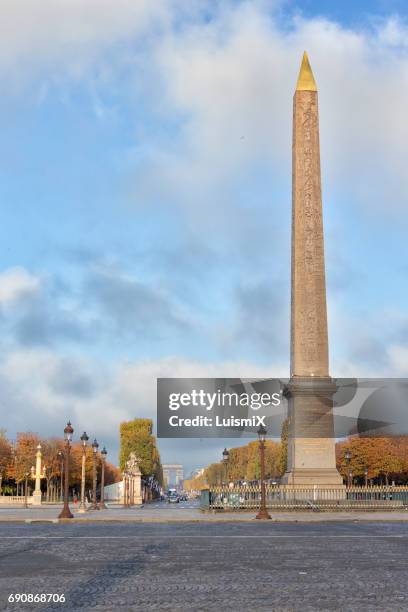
pixel 205 566
pixel 191 504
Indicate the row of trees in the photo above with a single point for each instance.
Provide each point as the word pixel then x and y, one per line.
pixel 385 459
pixel 17 458
pixel 136 436
pixel 244 464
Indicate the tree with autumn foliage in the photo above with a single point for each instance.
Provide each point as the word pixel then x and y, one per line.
pixel 283 459
pixel 6 455
pixel 136 436
pixel 214 474
pixel 24 453
pixel 51 463
pixel 18 459
pixel 244 464
pixel 195 484
pixel 112 473
pixel 385 458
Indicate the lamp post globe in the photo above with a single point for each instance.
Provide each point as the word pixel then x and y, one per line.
pixel 225 458
pixel 84 440
pixel 262 433
pixel 68 433
pixel 263 514
pixel 102 504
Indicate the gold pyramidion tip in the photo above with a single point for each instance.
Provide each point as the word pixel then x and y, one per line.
pixel 306 80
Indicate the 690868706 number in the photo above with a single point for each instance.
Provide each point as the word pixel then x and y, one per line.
pixel 36 597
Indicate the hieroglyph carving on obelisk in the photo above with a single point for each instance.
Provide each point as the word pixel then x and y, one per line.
pixel 309 345
pixel 311 450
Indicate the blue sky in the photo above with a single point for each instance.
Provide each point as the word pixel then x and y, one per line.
pixel 145 191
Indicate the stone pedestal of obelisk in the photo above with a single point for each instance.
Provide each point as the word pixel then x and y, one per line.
pixel 311 443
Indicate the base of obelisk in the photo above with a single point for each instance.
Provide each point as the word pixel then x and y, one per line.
pixel 311 458
pixel 324 478
pixel 311 462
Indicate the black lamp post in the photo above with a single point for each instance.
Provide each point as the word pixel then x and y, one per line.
pixel 225 457
pixel 61 458
pixel 126 503
pixel 132 490
pixel 263 514
pixel 26 475
pixel 68 432
pixel 366 476
pixel 347 457
pixel 102 505
pixel 95 447
pixel 84 440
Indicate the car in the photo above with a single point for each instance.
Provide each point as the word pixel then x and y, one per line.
pixel 173 498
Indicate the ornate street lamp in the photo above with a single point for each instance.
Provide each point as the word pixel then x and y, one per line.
pixel 125 490
pixel 68 432
pixel 263 513
pixel 102 505
pixel 225 458
pixel 26 475
pixel 131 490
pixel 95 447
pixel 347 457
pixel 61 458
pixel 350 478
pixel 366 476
pixel 84 440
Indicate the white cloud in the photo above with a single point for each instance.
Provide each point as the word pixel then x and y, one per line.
pixel 229 79
pixel 61 38
pixel 40 390
pixel 44 385
pixel 16 283
pixel 232 81
pixel 398 356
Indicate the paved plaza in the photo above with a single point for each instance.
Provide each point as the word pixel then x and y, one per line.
pixel 200 567
pixel 187 511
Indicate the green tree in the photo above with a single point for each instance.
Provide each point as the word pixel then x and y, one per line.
pixel 136 436
pixel 283 459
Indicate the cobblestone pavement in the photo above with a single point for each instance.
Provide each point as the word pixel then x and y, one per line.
pixel 203 566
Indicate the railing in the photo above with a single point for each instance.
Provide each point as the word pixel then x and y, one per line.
pixel 288 497
pixel 15 499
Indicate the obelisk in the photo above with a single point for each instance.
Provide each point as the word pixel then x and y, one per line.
pixel 311 443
